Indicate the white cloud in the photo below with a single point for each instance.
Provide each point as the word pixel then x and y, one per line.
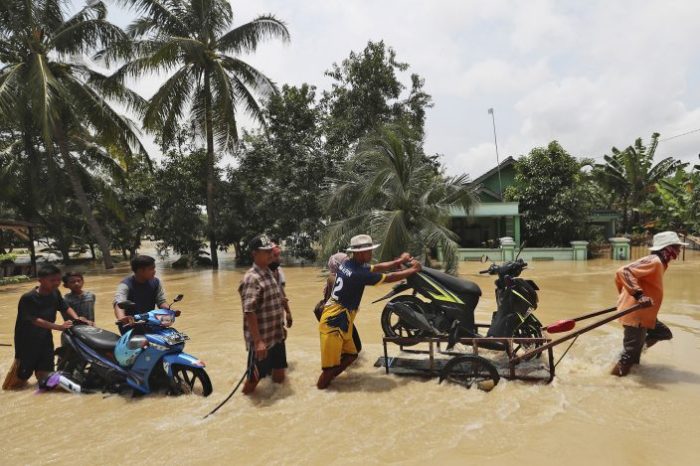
pixel 500 76
pixel 590 74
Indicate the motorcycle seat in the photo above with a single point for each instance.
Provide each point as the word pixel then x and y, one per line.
pixel 454 284
pixel 95 337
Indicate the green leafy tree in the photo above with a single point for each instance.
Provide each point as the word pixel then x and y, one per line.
pixel 393 192
pixel 177 220
pixel 630 176
pixel 288 160
pixel 67 103
pixel 553 196
pixel 210 83
pixel 366 92
pixel 676 202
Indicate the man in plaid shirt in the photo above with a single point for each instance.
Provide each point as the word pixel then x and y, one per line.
pixel 263 317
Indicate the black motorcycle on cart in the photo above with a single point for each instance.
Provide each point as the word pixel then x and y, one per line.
pixel 449 303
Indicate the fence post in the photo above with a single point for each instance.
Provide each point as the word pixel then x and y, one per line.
pixel 619 248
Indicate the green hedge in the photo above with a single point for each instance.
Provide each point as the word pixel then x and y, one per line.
pixel 14 280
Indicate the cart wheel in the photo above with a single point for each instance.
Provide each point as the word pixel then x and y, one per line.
pixel 531 328
pixel 394 326
pixel 469 370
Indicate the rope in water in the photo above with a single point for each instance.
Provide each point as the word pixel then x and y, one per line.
pixel 229 396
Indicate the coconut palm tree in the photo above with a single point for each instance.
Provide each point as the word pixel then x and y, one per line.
pixel 631 175
pixel 48 88
pixel 395 193
pixel 193 41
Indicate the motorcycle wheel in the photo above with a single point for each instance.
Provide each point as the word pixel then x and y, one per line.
pixel 470 370
pixel 531 328
pixel 190 380
pixel 394 326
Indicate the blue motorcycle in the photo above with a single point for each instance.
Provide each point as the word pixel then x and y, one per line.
pixel 147 358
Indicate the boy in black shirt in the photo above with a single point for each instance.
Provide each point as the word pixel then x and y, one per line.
pixel 36 317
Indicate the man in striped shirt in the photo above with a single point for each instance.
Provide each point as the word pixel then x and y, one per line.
pixel 263 317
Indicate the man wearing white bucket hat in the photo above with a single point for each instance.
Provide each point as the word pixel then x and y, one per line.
pixel 642 281
pixel 338 350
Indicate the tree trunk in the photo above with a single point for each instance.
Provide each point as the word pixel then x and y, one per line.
pixel 33 167
pixel 211 173
pixel 65 252
pixel 92 250
pixel 82 199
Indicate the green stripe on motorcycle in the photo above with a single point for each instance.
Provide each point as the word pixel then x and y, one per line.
pixel 522 297
pixel 445 295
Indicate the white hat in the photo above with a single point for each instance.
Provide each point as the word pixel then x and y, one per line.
pixel 361 243
pixel 665 239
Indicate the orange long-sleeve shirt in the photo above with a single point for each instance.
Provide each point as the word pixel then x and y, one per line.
pixel 645 275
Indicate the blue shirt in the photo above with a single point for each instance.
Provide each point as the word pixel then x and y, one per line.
pixel 350 283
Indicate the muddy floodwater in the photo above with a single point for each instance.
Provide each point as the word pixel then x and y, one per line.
pixel 585 416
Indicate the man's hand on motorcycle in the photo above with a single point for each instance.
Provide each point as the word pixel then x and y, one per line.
pixel 260 350
pixel 405 257
pixel 126 321
pixel 66 325
pixel 415 265
pixel 86 321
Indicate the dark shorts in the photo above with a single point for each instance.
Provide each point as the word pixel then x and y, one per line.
pixel 38 357
pixel 276 359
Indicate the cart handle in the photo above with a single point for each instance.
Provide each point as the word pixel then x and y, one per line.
pixel 590 327
pixel 568 324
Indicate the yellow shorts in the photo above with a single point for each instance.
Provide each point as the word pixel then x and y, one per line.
pixel 335 329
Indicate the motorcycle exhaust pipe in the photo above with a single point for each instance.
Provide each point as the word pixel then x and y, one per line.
pixel 60 380
pixel 413 318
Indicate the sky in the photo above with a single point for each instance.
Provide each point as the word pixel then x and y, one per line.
pixel 590 74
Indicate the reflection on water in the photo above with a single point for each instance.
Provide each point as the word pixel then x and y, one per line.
pixel 584 416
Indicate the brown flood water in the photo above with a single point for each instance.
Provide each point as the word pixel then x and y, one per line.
pixel 584 417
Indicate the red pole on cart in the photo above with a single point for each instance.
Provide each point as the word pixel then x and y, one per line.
pixel 588 328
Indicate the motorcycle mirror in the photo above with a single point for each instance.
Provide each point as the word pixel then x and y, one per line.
pixel 484 258
pixel 178 298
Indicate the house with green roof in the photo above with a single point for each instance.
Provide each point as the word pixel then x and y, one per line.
pixel 491 218
pixel 481 228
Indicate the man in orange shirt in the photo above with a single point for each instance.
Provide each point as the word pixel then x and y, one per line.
pixel 642 282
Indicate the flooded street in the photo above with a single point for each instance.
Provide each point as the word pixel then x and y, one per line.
pixel 584 417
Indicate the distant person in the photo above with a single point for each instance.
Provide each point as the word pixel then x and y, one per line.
pixel 36 318
pixel 263 317
pixel 142 288
pixel 338 349
pixel 642 282
pixel 81 301
pixel 277 272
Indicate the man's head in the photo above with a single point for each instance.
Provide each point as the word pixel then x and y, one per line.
pixel 361 247
pixel 261 250
pixel 144 268
pixel 668 245
pixel 73 281
pixel 49 278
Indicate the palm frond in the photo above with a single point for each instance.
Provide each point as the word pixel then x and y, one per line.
pixel 245 38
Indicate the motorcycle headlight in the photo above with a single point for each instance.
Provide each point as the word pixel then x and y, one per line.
pixel 166 320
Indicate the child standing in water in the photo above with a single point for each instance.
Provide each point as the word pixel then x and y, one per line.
pixel 82 302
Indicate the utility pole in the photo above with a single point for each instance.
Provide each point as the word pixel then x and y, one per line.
pixel 498 162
